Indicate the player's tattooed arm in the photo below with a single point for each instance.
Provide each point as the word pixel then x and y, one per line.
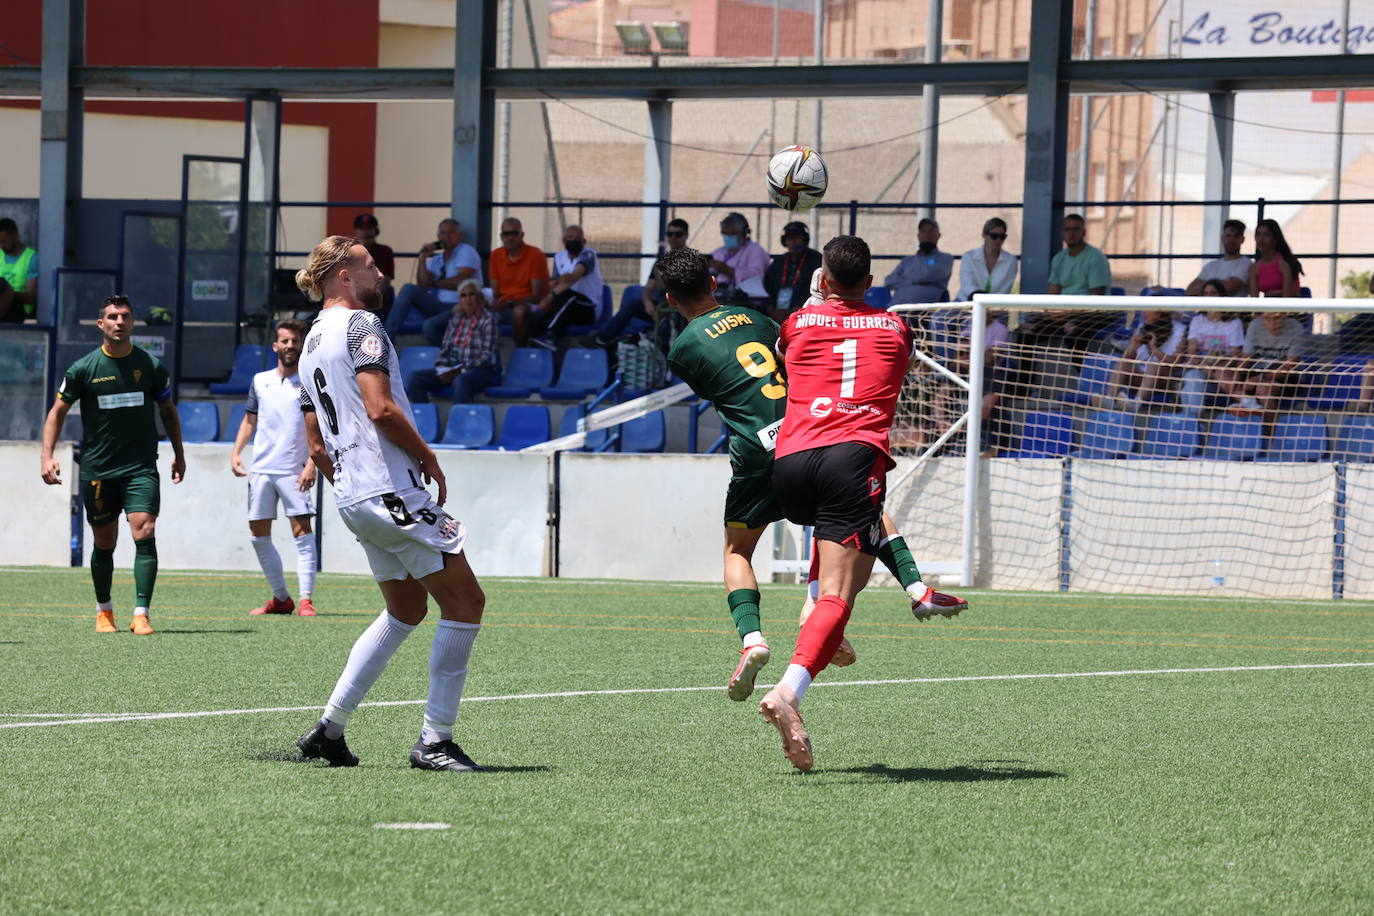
pixel 318 453
pixel 171 421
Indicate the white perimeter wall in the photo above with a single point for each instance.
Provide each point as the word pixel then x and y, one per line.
pixel 1135 525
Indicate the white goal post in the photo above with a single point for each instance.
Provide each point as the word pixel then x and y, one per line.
pixel 1134 444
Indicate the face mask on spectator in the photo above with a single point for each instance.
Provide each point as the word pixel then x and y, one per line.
pixel 730 241
pixel 574 248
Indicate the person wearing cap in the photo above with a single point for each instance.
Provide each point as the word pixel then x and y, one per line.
pixel 18 275
pixel 366 229
pixel 788 278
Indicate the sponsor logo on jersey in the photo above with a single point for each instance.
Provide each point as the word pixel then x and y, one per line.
pixel 768 436
pixel 371 345
pixel 105 378
pixel 123 399
pixel 821 407
pixel 138 375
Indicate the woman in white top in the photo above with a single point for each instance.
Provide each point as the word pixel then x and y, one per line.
pixel 987 268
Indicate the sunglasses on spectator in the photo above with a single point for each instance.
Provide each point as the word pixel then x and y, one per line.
pixel 509 232
pixel 1000 236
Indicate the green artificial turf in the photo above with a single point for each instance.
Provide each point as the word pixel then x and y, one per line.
pixel 1232 791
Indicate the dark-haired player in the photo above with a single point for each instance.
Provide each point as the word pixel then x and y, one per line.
pixel 845 363
pixel 282 471
pixel 122 390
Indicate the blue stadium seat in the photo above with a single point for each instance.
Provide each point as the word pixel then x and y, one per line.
pixel 1164 291
pixel 1107 434
pixel 426 420
pixel 249 360
pixel 1118 291
pixel 584 372
pixel 1045 435
pixel 230 431
pixel 1355 441
pixel 1298 437
pixel 632 294
pixel 1340 386
pixel 1171 436
pixel 199 421
pixel 416 358
pixel 880 297
pixel 1092 380
pixel 643 434
pixel 568 425
pixel 603 315
pixel 530 369
pixel 1234 439
pixel 523 425
pixel 468 426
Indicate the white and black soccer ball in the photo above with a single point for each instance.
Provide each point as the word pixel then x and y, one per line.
pixel 797 178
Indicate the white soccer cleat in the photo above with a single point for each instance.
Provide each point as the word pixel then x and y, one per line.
pixel 779 707
pixel 751 662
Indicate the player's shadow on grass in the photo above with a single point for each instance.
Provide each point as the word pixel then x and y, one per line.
pixel 995 771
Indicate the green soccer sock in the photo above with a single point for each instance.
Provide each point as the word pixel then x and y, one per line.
pixel 102 573
pixel 898 560
pixel 744 607
pixel 145 570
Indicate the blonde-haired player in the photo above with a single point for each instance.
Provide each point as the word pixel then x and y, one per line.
pixel 363 439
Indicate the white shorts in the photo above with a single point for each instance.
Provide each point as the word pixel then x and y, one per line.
pixel 404 536
pixel 265 489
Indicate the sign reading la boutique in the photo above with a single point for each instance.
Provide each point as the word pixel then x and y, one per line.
pixel 1245 33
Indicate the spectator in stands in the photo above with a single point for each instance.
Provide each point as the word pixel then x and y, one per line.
pixel 1216 342
pixel 740 262
pixel 1147 368
pixel 519 275
pixel 987 268
pixel 1232 268
pixel 788 279
pixel 1274 342
pixel 443 265
pixel 1079 269
pixel 467 355
pixel 366 229
pixel 923 276
pixel 651 298
pixel 18 275
pixel 1275 271
pixel 574 296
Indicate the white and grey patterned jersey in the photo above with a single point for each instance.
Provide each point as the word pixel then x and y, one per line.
pixel 341 343
pixel 279 445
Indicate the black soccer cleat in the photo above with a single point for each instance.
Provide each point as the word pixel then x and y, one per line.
pixel 334 751
pixel 441 755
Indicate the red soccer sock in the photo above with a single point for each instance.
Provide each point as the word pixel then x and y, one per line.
pixel 815 572
pixel 821 634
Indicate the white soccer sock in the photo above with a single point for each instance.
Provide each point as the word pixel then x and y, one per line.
pixel 754 639
pixel 270 561
pixel 366 662
pixel 104 605
pixel 918 590
pixel 141 610
pixel 305 564
pixel 796 678
pixel 448 669
pixel 813 588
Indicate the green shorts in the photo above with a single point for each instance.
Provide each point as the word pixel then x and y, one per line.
pixel 749 501
pixel 105 499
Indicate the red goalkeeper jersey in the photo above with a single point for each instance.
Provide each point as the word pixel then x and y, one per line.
pixel 845 363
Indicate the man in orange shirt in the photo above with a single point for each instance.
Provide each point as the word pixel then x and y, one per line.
pixel 519 277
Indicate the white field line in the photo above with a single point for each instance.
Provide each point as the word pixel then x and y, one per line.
pixel 144 717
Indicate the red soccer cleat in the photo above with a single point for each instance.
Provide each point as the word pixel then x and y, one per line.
pixel 275 606
pixel 306 608
pixel 934 602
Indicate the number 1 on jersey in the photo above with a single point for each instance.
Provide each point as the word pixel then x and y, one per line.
pixel 849 366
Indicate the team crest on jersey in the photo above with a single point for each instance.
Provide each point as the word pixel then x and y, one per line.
pixel 138 375
pixel 371 345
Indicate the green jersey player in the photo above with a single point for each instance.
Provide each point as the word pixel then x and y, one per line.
pixel 122 390
pixel 725 353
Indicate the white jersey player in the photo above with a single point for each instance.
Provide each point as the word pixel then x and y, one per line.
pixel 281 471
pixel 363 439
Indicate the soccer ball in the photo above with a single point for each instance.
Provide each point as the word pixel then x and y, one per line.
pixel 797 178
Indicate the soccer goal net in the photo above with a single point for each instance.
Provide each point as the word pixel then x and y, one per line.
pixel 1148 444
